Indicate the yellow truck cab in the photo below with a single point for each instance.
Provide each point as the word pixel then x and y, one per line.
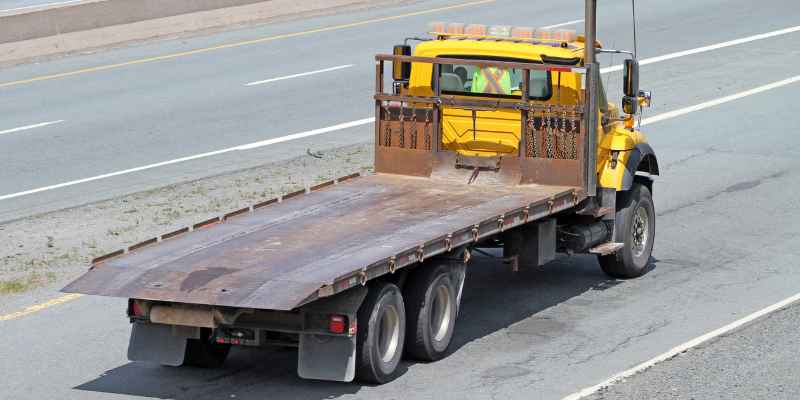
pixel 622 151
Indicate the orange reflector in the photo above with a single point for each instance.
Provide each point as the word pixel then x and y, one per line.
pixel 565 35
pixel 455 28
pixel 629 122
pixel 438 27
pixel 337 324
pixel 522 32
pixel 476 30
pixel 545 34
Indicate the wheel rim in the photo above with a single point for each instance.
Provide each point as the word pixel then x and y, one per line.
pixel 389 334
pixel 441 309
pixel 640 229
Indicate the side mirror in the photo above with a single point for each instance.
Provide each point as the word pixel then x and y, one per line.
pixel 401 71
pixel 631 78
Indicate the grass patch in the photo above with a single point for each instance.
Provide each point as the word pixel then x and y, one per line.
pixel 26 283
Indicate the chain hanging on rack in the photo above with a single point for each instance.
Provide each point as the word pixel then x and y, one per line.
pixel 549 149
pixel 573 134
pixel 427 129
pixel 402 118
pixel 387 135
pixel 530 135
pixel 413 144
pixel 562 136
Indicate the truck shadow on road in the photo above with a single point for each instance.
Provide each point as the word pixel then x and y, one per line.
pixel 495 300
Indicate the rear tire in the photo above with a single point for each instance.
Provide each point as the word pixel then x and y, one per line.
pixel 431 297
pixel 635 226
pixel 381 334
pixel 205 353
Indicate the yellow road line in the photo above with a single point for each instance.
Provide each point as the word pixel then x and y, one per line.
pixel 39 307
pixel 239 44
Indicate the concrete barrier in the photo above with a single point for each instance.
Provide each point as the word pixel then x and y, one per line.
pixel 102 23
pixel 98 14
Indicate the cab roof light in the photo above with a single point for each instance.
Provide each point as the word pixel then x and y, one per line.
pixel 522 32
pixel 500 31
pixel 544 34
pixel 565 35
pixel 437 27
pixel 455 28
pixel 475 30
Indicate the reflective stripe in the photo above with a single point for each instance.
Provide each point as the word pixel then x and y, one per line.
pixel 493 77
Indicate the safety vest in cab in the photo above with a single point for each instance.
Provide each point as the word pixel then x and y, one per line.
pixel 491 80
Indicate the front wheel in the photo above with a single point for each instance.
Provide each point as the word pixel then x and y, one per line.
pixel 635 226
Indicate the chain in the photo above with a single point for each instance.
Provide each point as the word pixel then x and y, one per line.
pixel 413 128
pixel 387 135
pixel 402 119
pixel 427 130
pixel 549 132
pixel 530 136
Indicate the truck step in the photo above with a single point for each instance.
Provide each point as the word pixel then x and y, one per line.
pixel 606 248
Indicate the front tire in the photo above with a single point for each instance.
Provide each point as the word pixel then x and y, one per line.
pixel 381 334
pixel 432 308
pixel 635 226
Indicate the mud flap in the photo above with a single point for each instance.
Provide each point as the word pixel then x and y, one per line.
pixel 330 357
pixel 157 343
pixel 325 357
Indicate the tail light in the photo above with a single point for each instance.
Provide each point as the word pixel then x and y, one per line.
pixel 137 309
pixel 337 324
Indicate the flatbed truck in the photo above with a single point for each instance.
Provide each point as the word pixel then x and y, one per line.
pixel 488 137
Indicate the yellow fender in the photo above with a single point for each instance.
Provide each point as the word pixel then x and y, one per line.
pixel 622 154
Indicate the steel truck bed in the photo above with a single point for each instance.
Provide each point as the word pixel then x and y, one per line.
pixel 312 245
pixel 421 202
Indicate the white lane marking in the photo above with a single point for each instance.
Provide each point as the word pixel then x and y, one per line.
pixel 320 131
pixel 573 22
pixel 61 3
pixel 34 126
pixel 682 348
pixel 367 121
pixel 704 49
pixel 281 78
pixel 721 100
pixel 196 156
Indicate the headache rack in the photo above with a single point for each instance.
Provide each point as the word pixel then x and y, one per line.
pixel 554 147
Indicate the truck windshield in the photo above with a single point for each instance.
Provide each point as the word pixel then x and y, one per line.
pixel 470 80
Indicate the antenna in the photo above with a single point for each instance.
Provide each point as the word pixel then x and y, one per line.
pixel 635 47
pixel 635 53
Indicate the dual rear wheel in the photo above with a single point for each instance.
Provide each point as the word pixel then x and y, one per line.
pixel 417 322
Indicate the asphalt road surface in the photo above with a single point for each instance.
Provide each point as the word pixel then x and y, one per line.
pixel 728 215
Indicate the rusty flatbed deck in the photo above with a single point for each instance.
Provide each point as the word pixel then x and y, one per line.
pixel 289 253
